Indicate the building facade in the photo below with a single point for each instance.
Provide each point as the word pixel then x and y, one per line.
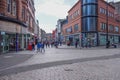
pixel 42 35
pixel 116 5
pixel 59 35
pixel 72 29
pixel 17 21
pixel 87 23
pixel 49 37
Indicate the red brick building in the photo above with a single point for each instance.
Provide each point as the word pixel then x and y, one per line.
pixel 87 23
pixel 17 21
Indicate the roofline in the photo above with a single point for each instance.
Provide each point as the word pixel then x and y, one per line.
pixel 108 4
pixel 74 5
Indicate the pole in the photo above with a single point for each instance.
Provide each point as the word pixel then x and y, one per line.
pixel 107 40
pixel 16 42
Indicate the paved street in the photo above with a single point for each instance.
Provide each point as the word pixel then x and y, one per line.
pixel 66 63
pixel 13 58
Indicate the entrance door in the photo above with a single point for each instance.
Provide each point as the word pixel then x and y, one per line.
pixel 5 43
pixel 89 39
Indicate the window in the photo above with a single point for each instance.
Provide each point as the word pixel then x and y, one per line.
pixel 89 24
pixel 100 10
pixel 116 29
pixel 103 11
pixel 23 13
pixel 88 1
pixel 76 27
pixel 9 5
pixel 111 28
pixel 69 30
pixel 70 17
pixel 89 10
pixel 14 7
pixel 103 26
pixel 78 12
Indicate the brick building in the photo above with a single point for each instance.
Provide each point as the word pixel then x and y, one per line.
pixel 87 23
pixel 17 21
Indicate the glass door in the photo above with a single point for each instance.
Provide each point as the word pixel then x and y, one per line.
pixel 5 43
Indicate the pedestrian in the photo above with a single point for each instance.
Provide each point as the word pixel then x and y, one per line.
pixel 56 44
pixel 108 44
pixel 33 46
pixel 76 44
pixel 46 44
pixel 38 47
pixel 42 47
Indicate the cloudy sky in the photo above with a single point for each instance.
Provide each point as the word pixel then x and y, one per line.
pixel 49 11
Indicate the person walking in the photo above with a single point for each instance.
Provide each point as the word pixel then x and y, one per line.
pixel 42 47
pixel 38 47
pixel 76 44
pixel 33 46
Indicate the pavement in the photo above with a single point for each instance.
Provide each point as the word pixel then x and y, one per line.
pixel 66 63
pixel 14 58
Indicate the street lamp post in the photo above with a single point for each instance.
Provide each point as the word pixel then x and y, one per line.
pixel 107 40
pixel 107 29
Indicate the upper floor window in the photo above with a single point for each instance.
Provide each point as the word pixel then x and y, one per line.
pixel 69 30
pixel 14 7
pixel 116 29
pixel 74 15
pixel 103 26
pixel 23 13
pixel 103 11
pixel 76 27
pixel 111 28
pixel 89 10
pixel 89 24
pixel 88 1
pixel 9 5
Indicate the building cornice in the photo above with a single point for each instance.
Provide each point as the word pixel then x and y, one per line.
pixel 12 20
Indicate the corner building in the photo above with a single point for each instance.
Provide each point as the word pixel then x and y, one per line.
pixel 87 23
pixel 17 20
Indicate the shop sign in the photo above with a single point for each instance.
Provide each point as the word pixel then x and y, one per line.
pixel 2 33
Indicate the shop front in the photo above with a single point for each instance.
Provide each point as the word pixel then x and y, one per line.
pixel 102 39
pixel 72 39
pixel 89 39
pixel 10 42
pixel 111 37
pixel 69 40
pixel 12 36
